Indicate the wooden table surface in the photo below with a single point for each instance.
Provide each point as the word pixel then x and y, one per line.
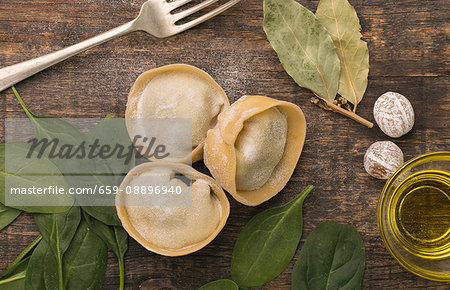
pixel 408 43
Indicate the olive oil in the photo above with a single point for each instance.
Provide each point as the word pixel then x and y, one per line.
pixel 420 214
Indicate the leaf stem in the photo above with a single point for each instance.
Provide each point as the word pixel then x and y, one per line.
pixel 13 278
pixel 24 107
pixel 26 251
pixel 349 114
pixel 55 232
pixel 304 193
pixel 330 106
pixel 60 274
pixel 122 274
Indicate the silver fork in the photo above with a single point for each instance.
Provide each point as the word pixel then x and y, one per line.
pixel 156 18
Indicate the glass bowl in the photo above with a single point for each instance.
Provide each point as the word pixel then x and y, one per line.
pixel 414 215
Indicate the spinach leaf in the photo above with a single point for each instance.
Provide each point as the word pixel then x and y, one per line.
pixel 42 271
pixel 15 269
pixel 55 128
pixel 7 215
pixel 96 171
pixel 105 214
pixel 58 231
pixel 332 257
pixel 78 172
pixel 224 284
pixel 116 238
pixel 109 131
pixel 16 282
pixel 22 255
pixel 23 172
pixel 14 276
pixel 73 258
pixel 84 263
pixel 267 243
pixel 113 131
pixel 67 244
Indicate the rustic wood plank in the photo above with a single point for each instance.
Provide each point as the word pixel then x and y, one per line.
pixel 408 42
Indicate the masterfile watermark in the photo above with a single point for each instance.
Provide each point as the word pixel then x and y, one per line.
pixel 61 162
pixel 54 148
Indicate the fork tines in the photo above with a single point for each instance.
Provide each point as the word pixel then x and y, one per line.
pixel 198 7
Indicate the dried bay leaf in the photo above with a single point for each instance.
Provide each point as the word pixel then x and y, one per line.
pixel 304 46
pixel 340 19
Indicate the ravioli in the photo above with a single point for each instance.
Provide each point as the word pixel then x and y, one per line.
pixel 259 148
pixel 176 91
pixel 166 228
pixel 255 147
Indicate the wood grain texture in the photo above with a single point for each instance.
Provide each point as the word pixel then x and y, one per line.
pixel 408 43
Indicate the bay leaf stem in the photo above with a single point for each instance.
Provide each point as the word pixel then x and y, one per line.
pixel 349 114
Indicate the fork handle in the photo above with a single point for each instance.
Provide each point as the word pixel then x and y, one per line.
pixel 13 74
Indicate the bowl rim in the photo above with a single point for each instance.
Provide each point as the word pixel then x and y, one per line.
pixel 427 274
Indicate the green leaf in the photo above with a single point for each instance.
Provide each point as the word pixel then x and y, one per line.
pixel 84 263
pixel 58 231
pixel 303 45
pixel 22 172
pixel 97 171
pixel 7 215
pixel 22 255
pixel 341 21
pixel 267 243
pixel 115 237
pixel 105 214
pixel 42 271
pixel 224 284
pixel 15 269
pixel 16 282
pixel 113 131
pixel 109 131
pixel 3 208
pixel 332 257
pixel 14 276
pixel 55 128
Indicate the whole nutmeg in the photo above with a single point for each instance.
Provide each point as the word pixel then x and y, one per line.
pixel 394 114
pixel 382 159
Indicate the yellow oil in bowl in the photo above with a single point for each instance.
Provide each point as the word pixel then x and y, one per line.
pixel 414 215
pixel 421 214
